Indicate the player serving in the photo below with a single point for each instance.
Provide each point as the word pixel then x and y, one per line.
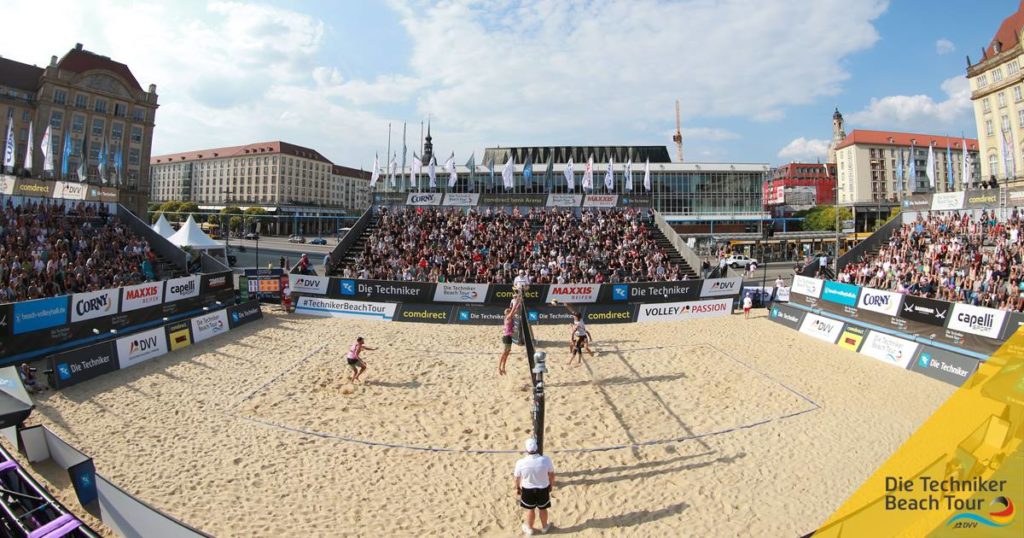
pixel 355 362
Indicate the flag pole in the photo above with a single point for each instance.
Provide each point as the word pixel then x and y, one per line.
pixel 387 186
pixel 402 174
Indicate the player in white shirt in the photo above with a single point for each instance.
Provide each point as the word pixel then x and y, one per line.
pixel 534 477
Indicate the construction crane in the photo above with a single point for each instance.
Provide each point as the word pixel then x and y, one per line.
pixel 678 137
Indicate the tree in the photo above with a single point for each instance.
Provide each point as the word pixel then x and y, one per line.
pixel 235 223
pixel 231 210
pixel 187 208
pixel 155 217
pixel 255 214
pixel 213 219
pixel 823 218
pixel 170 209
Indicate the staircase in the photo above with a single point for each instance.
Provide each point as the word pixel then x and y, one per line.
pixel 357 247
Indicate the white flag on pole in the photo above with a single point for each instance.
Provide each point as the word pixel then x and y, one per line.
pixel 647 175
pixel 930 168
pixel 965 160
pixel 47 148
pixel 417 167
pixel 431 172
pixel 393 169
pixel 609 176
pixel 449 165
pixel 31 147
pixel 507 171
pixel 570 175
pixel 9 145
pixel 375 174
pixel 588 174
pixel 629 175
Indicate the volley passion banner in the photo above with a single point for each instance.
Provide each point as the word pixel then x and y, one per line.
pixel 689 310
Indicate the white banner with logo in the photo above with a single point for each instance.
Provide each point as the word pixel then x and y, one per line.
pixel 883 302
pixel 141 296
pixel 782 295
pixel 424 198
pixel 308 283
pixel 449 292
pixel 69 190
pixel 208 325
pixel 462 198
pixel 341 308
pixel 977 320
pixel 808 286
pixel 141 347
pixel 947 201
pixel 564 200
pixel 601 200
pixel 573 293
pixel 7 185
pixel 182 288
pixel 94 304
pixel 889 349
pixel 687 310
pixel 822 328
pixel 720 287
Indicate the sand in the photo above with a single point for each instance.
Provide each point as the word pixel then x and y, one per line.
pixel 718 427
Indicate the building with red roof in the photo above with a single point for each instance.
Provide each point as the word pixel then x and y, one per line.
pixel 797 186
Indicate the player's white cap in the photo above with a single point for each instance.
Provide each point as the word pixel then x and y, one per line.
pixel 530 445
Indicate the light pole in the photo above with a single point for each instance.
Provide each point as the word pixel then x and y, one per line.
pixel 227 234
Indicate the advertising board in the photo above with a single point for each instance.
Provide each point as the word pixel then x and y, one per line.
pixel 209 325
pixel 141 347
pixel 531 200
pixel 840 293
pixel 178 335
pixel 383 290
pixel 216 282
pixel 241 314
pixel 943 365
pixel 787 315
pixel 479 315
pixel 141 296
pixel 806 287
pixel 573 293
pixel 503 294
pixel 7 184
pixel 851 337
pixel 265 284
pixel 612 313
pixel 424 313
pixel 889 349
pixel 688 310
pixel 73 367
pixel 987 322
pixel 308 284
pixel 882 302
pixel 320 306
pixel 461 199
pixel 653 292
pixel 924 310
pixel 424 198
pixel 93 304
pixel 947 201
pixel 548 315
pixel 822 328
pixel 564 200
pixel 182 288
pixel 721 287
pixel 40 314
pixel 601 200
pixel 448 292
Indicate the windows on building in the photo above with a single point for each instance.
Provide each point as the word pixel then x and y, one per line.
pixel 97 126
pixel 138 114
pixel 1001 98
pixel 120 109
pixel 60 96
pixel 986 105
pixel 133 157
pixel 1012 67
pixel 997 74
pixel 982 81
pixel 77 123
pixel 1004 122
pixel 81 100
pixel 993 164
pixel 56 119
pixel 101 106
pixel 136 134
pixel 116 130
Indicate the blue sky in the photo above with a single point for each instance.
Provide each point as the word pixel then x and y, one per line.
pixel 758 80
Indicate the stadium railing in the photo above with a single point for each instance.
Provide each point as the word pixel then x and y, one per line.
pixel 871 244
pixel 157 242
pixel 673 236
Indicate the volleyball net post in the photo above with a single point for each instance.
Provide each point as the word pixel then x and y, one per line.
pixel 538 366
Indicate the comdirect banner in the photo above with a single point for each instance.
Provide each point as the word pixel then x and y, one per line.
pixel 319 306
pixel 852 337
pixel 613 313
pixel 73 367
pixel 503 294
pixel 178 335
pixel 141 347
pixel 424 313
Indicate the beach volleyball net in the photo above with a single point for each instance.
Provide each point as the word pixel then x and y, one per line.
pixel 524 334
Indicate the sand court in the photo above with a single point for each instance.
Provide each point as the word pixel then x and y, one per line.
pixel 707 427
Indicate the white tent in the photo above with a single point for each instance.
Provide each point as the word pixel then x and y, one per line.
pixel 163 227
pixel 192 236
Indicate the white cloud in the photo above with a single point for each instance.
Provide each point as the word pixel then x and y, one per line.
pixel 944 46
pixel 537 72
pixel 804 149
pixel 707 134
pixel 920 112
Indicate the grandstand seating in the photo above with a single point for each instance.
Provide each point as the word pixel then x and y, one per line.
pixel 490 245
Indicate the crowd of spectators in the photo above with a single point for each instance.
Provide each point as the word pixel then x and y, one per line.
pixel 50 249
pixel 490 246
pixel 951 257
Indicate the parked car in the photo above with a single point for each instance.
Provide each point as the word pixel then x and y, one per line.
pixel 318 241
pixel 343 231
pixel 296 239
pixel 252 235
pixel 739 260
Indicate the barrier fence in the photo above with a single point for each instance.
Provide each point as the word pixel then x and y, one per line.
pixel 58 190
pixel 474 199
pixel 30 329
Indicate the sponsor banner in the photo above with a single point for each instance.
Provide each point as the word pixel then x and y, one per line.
pixel 982 199
pixel 564 200
pixel 889 349
pixel 7 185
pixel 721 287
pixel 601 200
pixel 548 315
pixel 689 310
pixel 1014 321
pixel 141 296
pixel 943 365
pixel 94 304
pixel 40 314
pixel 652 292
pixel 638 200
pixel 73 367
pixel 384 290
pixel 182 288
pixel 6 320
pixel 244 313
pixel 141 347
pixel 389 198
pixel 925 310
pixel 479 315
pixel 613 313
pixel 533 200
pixel 424 313
pixel 840 293
pixel 759 295
pixel 947 201
pixel 503 294
pixel 807 287
pixel 208 325
pixel 265 284
pixel 32 187
pixel 787 315
pixel 69 190
pixel 852 337
pixel 319 306
pixel 101 194
pixel 215 282
pixel 782 294
pixel 822 328
pixel 573 293
pixel 178 335
pixel 461 198
pixel 1015 198
pixel 450 292
pixel 424 198
pixel 308 284
pixel 917 202
pixel 883 302
pixel 987 322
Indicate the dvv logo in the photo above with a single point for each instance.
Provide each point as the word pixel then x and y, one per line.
pixel 620 292
pixel 64 371
pixel 1000 517
pixel 142 345
pixel 348 287
pixel 924 360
